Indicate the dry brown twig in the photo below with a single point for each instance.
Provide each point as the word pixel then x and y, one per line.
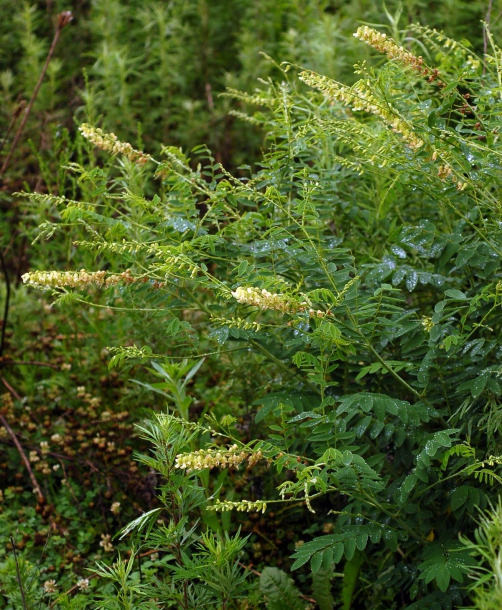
pixel 12 434
pixel 29 363
pixel 18 445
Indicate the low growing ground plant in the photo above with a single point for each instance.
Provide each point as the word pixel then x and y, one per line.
pixel 357 274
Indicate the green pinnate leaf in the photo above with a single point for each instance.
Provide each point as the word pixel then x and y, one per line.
pixel 321 588
pixel 279 590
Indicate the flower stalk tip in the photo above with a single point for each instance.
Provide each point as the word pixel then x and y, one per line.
pixel 110 143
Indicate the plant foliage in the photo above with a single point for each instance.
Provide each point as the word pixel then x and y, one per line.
pixel 353 280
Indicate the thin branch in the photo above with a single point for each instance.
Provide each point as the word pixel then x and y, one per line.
pixel 41 499
pixel 10 388
pixel 12 434
pixel 28 363
pixel 62 20
pixel 6 306
pixel 486 26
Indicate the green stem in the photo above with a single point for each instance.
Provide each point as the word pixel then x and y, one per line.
pixel 280 364
pixel 394 374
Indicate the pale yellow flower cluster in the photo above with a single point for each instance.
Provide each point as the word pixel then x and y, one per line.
pixel 384 44
pixel 365 100
pixel 43 467
pixel 106 543
pixel 110 143
pixel 210 458
pixel 50 586
pixel 76 279
pixel 359 98
pixel 244 506
pixel 83 584
pixel 268 300
pixel 445 172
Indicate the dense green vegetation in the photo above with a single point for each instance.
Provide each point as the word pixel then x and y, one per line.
pixel 254 358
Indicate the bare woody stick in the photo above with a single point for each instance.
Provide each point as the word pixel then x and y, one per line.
pixel 41 499
pixel 63 19
pixel 12 434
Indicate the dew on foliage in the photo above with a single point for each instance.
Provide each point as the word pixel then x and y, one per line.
pixel 398 251
pixel 220 334
pixel 411 280
pixel 182 224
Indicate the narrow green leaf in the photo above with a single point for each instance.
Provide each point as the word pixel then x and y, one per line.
pixel 350 576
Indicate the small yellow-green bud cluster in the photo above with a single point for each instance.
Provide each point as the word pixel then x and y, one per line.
pixel 236 323
pixel 181 263
pixel 110 143
pixel 427 323
pixel 245 506
pixel 211 458
pixel 268 300
pixel 76 279
pixel 307 497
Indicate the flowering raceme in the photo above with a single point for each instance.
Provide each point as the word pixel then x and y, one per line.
pixel 76 279
pixel 209 458
pixel 360 97
pixel 383 44
pixel 268 300
pixel 110 143
pixel 242 506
